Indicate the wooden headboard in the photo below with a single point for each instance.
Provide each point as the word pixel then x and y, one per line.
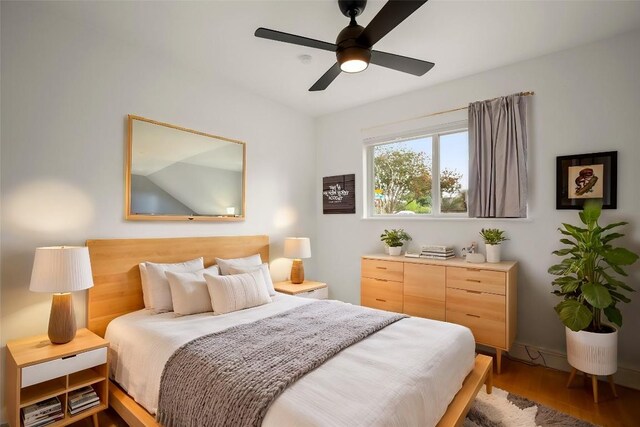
pixel 116 276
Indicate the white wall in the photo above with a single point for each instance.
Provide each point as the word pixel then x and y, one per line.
pixel 66 92
pixel 586 99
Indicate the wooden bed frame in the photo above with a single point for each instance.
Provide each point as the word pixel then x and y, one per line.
pixel 117 290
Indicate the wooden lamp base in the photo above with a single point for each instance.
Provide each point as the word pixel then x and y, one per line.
pixel 62 320
pixel 297 272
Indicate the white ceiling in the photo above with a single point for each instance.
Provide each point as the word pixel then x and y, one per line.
pixel 461 37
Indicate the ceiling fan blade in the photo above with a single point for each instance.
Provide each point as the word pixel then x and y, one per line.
pixel 293 39
pixel 417 67
pixel 389 17
pixel 326 79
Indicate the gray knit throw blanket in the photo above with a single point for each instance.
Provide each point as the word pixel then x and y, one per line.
pixel 230 378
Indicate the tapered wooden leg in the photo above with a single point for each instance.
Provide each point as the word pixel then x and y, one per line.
pixel 612 385
pixel 499 360
pixel 572 376
pixel 594 384
pixel 95 420
pixel 489 382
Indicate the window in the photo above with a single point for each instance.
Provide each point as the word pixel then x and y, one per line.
pixel 401 174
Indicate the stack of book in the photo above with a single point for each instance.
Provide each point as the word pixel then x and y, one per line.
pixel 82 399
pixel 437 252
pixel 42 413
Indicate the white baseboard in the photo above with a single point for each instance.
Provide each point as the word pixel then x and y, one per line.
pixel 627 377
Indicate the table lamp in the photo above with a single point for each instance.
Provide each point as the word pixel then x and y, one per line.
pixel 297 248
pixel 61 270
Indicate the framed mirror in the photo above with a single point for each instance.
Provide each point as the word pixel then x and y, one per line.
pixel 178 174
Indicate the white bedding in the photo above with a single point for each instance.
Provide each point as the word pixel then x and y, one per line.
pixel 404 375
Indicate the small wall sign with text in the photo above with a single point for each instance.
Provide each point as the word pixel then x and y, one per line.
pixel 587 176
pixel 339 194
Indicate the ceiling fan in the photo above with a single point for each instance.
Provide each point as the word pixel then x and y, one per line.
pixel 354 43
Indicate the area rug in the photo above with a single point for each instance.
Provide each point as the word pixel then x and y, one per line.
pixel 503 409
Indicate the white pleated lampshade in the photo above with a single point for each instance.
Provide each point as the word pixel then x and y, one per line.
pixel 297 247
pixel 61 269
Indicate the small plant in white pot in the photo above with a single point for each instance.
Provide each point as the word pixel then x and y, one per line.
pixel 394 239
pixel 493 237
pixel 590 285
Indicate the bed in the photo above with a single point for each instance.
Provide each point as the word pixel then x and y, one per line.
pixel 413 374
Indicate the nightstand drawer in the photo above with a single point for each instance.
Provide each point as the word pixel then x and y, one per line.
pixel 322 293
pixel 41 372
pixel 385 270
pixel 475 279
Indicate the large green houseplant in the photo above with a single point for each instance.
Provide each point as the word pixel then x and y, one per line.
pixel 590 284
pixel 587 278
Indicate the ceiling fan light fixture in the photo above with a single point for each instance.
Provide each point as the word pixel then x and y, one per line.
pixel 354 66
pixel 353 60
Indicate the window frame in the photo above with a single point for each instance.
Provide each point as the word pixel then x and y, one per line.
pixel 434 132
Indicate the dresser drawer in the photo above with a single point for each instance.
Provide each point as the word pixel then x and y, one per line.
pixel 475 279
pixel 483 313
pixel 386 270
pixel 381 294
pixel 41 372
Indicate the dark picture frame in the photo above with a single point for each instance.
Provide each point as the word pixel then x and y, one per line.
pixel 581 177
pixel 339 194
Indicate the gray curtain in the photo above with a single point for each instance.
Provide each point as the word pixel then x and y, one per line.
pixel 498 158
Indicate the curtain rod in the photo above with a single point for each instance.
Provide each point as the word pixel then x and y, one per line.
pixel 527 93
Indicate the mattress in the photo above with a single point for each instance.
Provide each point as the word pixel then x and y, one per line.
pixel 404 375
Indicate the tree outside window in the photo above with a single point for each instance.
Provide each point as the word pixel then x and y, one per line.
pixel 403 173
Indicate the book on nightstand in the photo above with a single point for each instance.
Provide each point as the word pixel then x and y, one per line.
pixel 82 399
pixel 42 413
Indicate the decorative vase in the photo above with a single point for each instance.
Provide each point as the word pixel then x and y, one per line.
pixel 395 250
pixel 593 353
pixel 493 253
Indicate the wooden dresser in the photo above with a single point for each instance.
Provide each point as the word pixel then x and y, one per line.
pixel 482 297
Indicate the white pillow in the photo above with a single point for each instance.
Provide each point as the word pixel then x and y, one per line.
pixel 144 280
pixel 225 264
pixel 189 293
pixel 236 292
pixel 155 286
pixel 264 268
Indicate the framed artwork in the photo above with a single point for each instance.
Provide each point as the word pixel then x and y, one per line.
pixel 339 194
pixel 587 176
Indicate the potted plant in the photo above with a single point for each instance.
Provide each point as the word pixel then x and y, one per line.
pixel 394 239
pixel 589 284
pixel 492 238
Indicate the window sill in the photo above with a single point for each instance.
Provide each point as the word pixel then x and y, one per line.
pixel 453 217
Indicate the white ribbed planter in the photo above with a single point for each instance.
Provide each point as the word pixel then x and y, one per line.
pixel 395 250
pixel 593 353
pixel 493 253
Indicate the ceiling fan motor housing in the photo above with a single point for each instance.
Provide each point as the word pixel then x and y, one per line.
pixel 348 47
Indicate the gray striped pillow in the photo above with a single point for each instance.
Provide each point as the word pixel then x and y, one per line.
pixel 237 291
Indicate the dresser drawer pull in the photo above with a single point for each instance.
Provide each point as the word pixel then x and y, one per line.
pixel 473 292
pixel 381 280
pixel 69 357
pixel 381 300
pixel 474 280
pixel 381 268
pixel 473 269
pixel 473 315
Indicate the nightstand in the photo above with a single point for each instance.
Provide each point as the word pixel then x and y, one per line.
pixel 306 289
pixel 37 370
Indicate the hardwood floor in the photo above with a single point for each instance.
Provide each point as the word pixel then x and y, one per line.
pixel 544 385
pixel 548 387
